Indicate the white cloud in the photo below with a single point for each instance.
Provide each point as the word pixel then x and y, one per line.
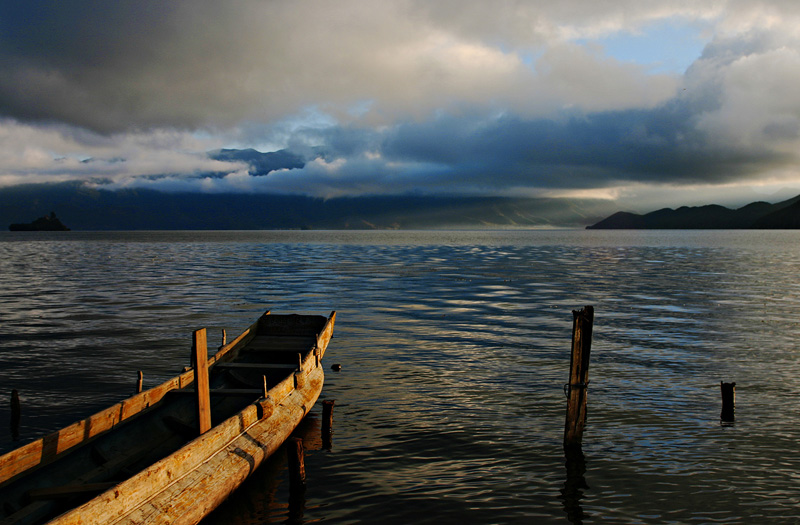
pixel 36 154
pixel 334 81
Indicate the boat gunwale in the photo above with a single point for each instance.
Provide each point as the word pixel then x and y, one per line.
pixel 51 447
pixel 176 467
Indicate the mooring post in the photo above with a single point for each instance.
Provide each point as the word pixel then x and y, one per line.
pixel 577 388
pixel 297 465
pixel 297 480
pixel 16 414
pixel 139 381
pixel 728 401
pixel 200 364
pixel 327 423
pixel 224 339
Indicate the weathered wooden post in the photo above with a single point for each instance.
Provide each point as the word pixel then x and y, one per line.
pixel 224 339
pixel 728 401
pixel 327 423
pixel 577 388
pixel 297 479
pixel 139 382
pixel 297 465
pixel 200 364
pixel 266 389
pixel 16 414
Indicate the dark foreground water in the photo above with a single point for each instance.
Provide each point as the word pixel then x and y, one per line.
pixel 454 349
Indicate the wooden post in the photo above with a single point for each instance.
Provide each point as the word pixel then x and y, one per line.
pixel 200 364
pixel 297 479
pixel 577 388
pixel 139 381
pixel 266 390
pixel 297 465
pixel 16 414
pixel 224 339
pixel 728 401
pixel 327 423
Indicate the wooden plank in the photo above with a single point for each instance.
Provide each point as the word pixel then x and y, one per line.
pixel 200 364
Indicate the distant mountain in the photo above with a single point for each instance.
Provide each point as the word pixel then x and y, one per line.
pixel 756 215
pixel 85 208
pixel 48 223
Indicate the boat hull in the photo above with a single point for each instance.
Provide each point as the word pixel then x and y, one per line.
pixel 149 458
pixel 185 487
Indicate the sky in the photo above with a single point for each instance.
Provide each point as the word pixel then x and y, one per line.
pixel 644 103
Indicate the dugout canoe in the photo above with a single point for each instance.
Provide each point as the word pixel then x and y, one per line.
pixel 148 460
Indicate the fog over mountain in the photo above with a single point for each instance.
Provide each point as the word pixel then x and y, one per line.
pixel 85 208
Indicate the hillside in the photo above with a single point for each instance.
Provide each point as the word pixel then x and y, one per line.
pixel 756 215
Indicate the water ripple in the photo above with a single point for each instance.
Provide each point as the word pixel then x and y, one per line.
pixel 455 349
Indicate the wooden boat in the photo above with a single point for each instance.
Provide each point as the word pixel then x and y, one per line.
pixel 157 457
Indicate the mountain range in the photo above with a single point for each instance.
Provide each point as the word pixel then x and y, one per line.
pixel 756 215
pixel 86 208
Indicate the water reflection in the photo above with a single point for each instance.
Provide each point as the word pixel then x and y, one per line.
pixel 573 491
pixel 454 348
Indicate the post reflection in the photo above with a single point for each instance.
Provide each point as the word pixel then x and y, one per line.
pixel 572 492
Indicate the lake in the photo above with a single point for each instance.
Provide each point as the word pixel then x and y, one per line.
pixel 454 348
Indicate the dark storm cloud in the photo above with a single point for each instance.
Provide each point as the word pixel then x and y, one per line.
pixel 67 60
pixel 659 145
pixel 454 96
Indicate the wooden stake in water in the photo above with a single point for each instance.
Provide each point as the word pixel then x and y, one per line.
pixel 295 456
pixel 200 364
pixel 728 401
pixel 139 381
pixel 577 388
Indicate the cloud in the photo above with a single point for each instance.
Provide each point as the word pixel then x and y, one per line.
pixel 57 153
pixel 139 65
pixel 403 96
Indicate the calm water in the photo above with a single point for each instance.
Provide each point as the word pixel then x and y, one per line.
pixel 454 349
